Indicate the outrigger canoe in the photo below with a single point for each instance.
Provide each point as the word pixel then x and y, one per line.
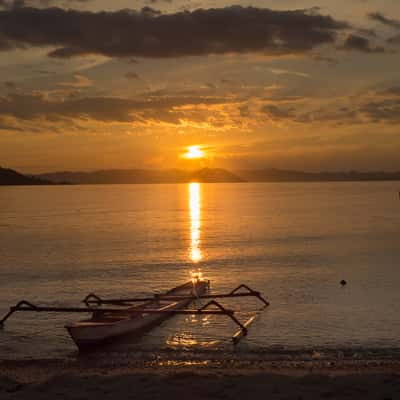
pixel 107 323
pixel 103 325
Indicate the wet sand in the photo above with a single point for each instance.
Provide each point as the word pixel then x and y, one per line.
pixel 49 380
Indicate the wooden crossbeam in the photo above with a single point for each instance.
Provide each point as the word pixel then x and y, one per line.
pixel 92 298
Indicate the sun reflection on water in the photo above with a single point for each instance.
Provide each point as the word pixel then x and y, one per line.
pixel 186 339
pixel 195 224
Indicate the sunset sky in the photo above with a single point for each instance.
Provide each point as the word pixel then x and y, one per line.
pixel 299 84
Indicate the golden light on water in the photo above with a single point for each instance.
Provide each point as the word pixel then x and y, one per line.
pixel 196 276
pixel 194 152
pixel 195 224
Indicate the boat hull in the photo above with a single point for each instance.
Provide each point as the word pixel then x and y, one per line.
pixel 93 332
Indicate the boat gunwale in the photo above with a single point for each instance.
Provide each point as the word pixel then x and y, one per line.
pixel 132 311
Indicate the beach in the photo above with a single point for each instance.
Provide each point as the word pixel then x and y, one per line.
pixel 273 380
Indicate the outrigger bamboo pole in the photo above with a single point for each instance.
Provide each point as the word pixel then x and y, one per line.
pixel 92 298
pixel 221 310
pixel 24 305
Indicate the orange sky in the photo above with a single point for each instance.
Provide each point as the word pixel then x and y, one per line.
pixel 257 85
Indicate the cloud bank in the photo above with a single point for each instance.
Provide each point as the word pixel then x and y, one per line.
pixel 148 33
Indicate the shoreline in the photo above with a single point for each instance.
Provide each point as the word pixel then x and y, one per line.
pixel 45 379
pixel 50 367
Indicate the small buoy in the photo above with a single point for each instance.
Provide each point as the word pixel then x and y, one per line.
pixel 343 282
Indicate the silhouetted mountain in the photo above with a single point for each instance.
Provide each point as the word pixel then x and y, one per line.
pixel 130 176
pixel 214 175
pixel 143 176
pixel 11 177
pixel 278 175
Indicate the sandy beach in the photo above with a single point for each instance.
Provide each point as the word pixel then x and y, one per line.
pixel 273 380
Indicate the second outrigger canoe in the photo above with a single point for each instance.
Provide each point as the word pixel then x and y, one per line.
pixel 103 325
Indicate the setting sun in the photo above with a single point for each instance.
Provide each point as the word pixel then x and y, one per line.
pixel 194 152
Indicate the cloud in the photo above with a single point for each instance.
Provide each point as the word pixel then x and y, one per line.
pixel 379 17
pixel 275 112
pixel 80 81
pixel 322 58
pixel 132 75
pixel 8 126
pixel 148 33
pixel 46 72
pixel 342 115
pixel 332 114
pixel 10 84
pixel 279 71
pixel 157 1
pixel 394 39
pixel 384 110
pixel 244 111
pixel 392 91
pixel 367 32
pixel 393 23
pixel 12 4
pixel 210 85
pixel 359 43
pixel 151 109
pixel 375 107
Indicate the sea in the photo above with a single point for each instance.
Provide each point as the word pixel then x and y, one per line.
pixel 293 242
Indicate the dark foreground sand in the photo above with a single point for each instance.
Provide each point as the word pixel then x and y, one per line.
pixel 76 380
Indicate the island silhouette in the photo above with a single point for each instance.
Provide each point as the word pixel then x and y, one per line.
pixel 203 175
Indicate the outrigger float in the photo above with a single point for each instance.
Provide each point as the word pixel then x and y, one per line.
pixel 108 323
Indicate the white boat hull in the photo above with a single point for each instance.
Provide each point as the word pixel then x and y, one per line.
pixel 99 329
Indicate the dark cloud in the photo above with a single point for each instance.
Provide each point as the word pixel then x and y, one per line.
pixel 13 4
pixel 276 112
pixel 147 33
pixel 211 86
pixel 322 58
pixel 392 91
pixel 46 72
pixel 106 109
pixel 379 17
pixel 5 126
pixel 333 115
pixel 10 85
pixel 227 81
pixel 394 39
pixel 359 43
pixel 393 23
pixel 132 75
pixel 244 111
pixel 367 32
pixel 157 1
pixel 7 4
pixel 384 110
pixel 378 107
pixel 190 5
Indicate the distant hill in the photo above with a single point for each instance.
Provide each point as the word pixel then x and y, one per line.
pixel 279 175
pixel 11 177
pixel 142 176
pixel 206 175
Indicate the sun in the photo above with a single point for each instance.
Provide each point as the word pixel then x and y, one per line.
pixel 194 152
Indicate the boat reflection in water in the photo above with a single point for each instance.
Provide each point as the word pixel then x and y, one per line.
pixel 195 224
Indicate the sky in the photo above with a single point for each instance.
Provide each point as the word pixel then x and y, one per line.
pixel 293 84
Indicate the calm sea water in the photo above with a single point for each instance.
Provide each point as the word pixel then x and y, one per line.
pixel 294 242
